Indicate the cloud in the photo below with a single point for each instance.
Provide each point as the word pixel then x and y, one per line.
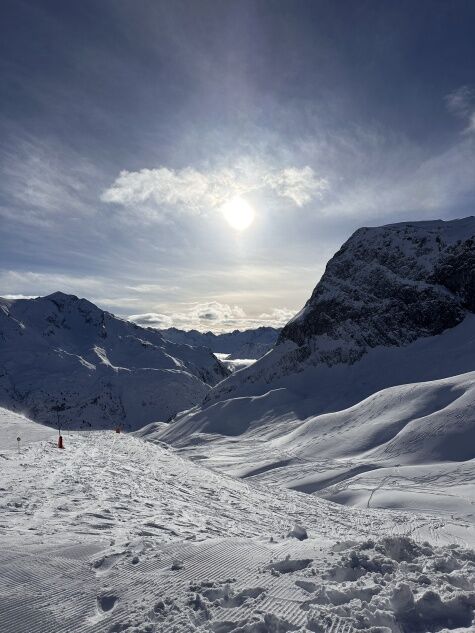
pixel 215 311
pixel 461 102
pixel 212 315
pixel 300 185
pixel 152 319
pixel 195 191
pixel 44 181
pixel 15 297
pixel 277 317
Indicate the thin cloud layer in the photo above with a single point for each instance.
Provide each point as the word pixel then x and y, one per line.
pixel 461 102
pixel 300 185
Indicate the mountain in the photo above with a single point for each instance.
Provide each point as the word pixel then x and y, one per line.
pixel 386 288
pixel 237 344
pixel 407 446
pixel 64 361
pixel 372 381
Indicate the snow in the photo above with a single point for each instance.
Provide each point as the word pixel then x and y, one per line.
pixel 387 287
pixel 117 534
pixel 13 425
pixel 66 362
pixel 327 488
pixel 408 446
pixel 250 344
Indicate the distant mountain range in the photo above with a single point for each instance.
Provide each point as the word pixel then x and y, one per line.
pixel 64 361
pixel 238 344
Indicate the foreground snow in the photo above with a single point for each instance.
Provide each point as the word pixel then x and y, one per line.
pixel 118 534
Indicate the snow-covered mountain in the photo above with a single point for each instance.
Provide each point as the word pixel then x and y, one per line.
pixel 237 344
pixel 387 287
pixel 372 381
pixel 407 446
pixel 63 360
pixel 160 538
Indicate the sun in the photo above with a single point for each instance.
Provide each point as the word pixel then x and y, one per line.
pixel 238 213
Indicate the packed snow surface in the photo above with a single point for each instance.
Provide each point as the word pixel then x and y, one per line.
pixel 116 534
pixel 409 446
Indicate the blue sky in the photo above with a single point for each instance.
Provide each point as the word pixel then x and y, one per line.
pixel 126 127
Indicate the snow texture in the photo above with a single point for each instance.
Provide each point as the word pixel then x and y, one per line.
pixel 115 534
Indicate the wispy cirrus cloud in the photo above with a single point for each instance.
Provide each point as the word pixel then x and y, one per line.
pixel 42 180
pixel 300 185
pixel 193 190
pixel 461 102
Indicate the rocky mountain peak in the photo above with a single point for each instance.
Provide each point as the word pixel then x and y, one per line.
pixel 388 286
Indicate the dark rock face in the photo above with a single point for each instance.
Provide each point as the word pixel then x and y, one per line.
pixel 388 286
pixel 456 272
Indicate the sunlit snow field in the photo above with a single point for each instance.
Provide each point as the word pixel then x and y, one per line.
pixel 115 533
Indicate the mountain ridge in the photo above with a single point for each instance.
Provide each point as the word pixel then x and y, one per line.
pixel 387 286
pixel 67 362
pixel 250 343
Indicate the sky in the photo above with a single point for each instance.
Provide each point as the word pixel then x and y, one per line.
pixel 128 128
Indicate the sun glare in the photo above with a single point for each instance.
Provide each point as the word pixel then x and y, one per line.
pixel 238 213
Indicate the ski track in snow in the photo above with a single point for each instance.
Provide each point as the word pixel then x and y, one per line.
pixel 115 534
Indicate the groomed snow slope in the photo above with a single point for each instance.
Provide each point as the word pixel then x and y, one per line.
pixel 13 426
pixel 114 534
pixel 63 360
